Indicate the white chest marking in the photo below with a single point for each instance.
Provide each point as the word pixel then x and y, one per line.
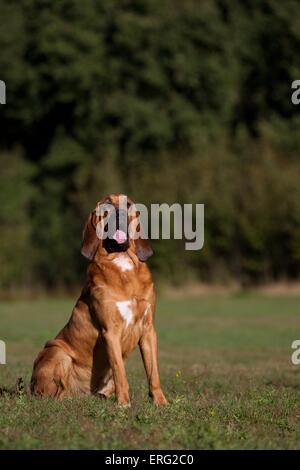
pixel 125 309
pixel 123 262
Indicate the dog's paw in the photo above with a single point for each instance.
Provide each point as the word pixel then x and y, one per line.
pixel 124 405
pixel 159 399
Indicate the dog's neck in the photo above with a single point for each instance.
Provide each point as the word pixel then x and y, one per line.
pixel 102 255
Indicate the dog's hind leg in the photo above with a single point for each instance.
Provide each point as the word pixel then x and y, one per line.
pixel 52 374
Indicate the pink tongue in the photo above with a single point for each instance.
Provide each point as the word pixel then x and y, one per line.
pixel 120 236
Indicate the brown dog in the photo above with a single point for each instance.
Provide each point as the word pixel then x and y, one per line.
pixel 114 313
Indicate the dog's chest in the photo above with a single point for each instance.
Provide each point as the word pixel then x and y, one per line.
pixel 133 311
pixel 132 307
pixel 135 316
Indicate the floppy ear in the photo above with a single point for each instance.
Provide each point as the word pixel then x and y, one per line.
pixel 90 239
pixel 141 245
pixel 143 249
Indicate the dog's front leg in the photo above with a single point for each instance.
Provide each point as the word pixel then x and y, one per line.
pixel 148 347
pixel 114 352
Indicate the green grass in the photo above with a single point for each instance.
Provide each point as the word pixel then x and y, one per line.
pixel 225 365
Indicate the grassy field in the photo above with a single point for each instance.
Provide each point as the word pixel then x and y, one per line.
pixel 225 364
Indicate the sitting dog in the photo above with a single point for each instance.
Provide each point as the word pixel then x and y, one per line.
pixel 113 314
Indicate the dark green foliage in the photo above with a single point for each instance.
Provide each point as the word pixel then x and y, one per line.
pixel 174 101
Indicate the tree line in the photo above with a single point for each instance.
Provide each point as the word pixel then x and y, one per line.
pixel 168 101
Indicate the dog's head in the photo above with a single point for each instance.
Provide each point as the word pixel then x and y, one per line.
pixel 115 226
